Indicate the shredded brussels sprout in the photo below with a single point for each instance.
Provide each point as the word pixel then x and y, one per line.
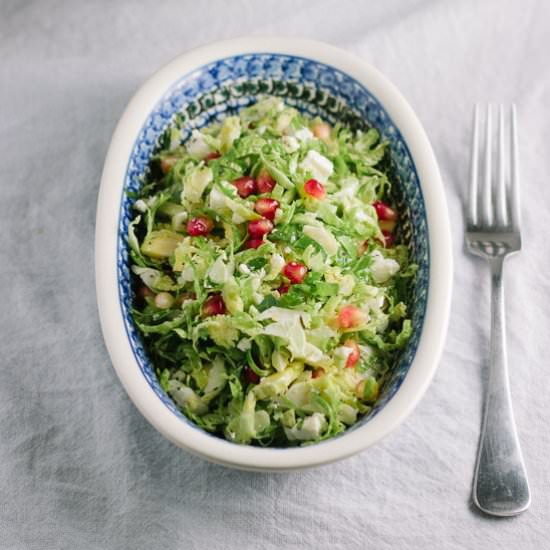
pixel 270 240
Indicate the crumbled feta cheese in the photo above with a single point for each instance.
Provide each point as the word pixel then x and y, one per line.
pixel 346 285
pixel 244 344
pixel 382 268
pixel 244 269
pixel 236 218
pixel 140 205
pixel 178 221
pixel 303 134
pixel 317 165
pixel 217 200
pixel 220 271
pixel 347 196
pixel 276 264
pixel 312 428
pixel 256 279
pixel 290 143
pixel 347 414
pixel 186 276
pixel 196 146
pixel 361 215
pixel 376 302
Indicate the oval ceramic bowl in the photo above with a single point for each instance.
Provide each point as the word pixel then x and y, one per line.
pixel 207 84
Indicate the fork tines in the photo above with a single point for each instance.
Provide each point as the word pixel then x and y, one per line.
pixel 494 182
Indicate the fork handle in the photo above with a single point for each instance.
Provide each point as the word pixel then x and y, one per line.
pixel 500 482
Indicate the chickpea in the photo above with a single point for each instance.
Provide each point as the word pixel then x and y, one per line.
pixel 164 300
pixel 321 130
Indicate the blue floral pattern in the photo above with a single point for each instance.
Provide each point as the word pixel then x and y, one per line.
pixel 227 85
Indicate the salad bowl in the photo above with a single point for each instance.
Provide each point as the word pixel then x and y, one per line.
pixel 208 84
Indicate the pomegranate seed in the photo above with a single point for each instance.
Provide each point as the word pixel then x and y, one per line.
pixel 199 226
pixel 265 182
pixel 283 289
pixel 353 357
pixel 259 228
pixel 321 130
pixel 318 372
pixel 314 189
pixel 295 272
pixel 387 225
pixel 384 211
pixel 350 317
pixel 250 376
pixel 267 208
pixel 212 156
pixel 253 243
pixel 245 186
pixel 167 163
pixel 388 239
pixel 213 305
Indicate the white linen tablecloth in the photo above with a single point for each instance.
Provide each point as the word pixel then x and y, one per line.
pixel 80 469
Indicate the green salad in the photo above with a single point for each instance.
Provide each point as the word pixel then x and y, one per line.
pixel 269 289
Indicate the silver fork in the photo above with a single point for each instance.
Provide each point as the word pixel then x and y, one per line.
pixel 493 232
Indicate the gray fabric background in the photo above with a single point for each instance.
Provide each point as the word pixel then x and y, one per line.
pixel 79 467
